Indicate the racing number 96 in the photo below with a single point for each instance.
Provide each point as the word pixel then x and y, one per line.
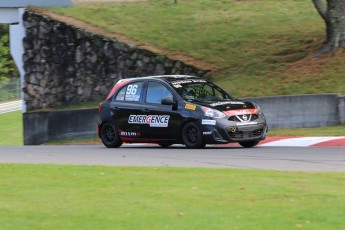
pixel 131 89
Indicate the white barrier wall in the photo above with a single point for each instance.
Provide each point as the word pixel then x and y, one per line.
pixel 302 110
pixel 281 112
pixel 25 3
pixel 341 108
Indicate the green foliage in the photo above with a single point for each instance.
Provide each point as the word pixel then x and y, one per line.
pixel 7 67
pixel 85 197
pixel 8 70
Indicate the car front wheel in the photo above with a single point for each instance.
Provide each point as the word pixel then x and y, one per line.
pixel 192 136
pixel 248 144
pixel 110 136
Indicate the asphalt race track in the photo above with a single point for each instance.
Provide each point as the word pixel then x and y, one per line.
pixel 262 157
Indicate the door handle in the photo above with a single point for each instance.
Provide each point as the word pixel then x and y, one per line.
pixel 116 108
pixel 146 111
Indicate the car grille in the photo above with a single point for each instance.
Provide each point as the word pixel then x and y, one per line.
pixel 243 135
pixel 253 117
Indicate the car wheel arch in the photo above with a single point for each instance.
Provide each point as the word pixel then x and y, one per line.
pixel 113 140
pixel 189 138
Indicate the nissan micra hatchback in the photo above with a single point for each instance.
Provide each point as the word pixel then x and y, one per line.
pixel 177 109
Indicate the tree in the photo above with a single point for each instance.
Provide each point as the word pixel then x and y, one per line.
pixel 333 13
pixel 7 66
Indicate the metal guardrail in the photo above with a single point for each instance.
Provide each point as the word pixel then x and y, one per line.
pixel 10 90
pixel 11 106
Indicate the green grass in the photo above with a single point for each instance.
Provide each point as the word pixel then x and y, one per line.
pixel 256 44
pixel 85 197
pixel 309 132
pixel 74 141
pixel 11 128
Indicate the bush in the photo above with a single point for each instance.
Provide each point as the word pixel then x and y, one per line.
pixel 8 69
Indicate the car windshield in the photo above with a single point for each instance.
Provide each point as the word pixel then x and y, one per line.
pixel 199 89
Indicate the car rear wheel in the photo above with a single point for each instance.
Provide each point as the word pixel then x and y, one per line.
pixel 110 136
pixel 248 144
pixel 192 136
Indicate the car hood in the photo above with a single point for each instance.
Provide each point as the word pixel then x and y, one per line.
pixel 226 105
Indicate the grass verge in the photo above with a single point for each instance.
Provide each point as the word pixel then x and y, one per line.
pixel 75 141
pixel 85 197
pixel 11 128
pixel 261 47
pixel 310 132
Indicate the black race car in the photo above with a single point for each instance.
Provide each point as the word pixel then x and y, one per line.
pixel 177 109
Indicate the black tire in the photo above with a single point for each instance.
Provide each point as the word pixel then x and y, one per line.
pixel 110 136
pixel 248 144
pixel 192 136
pixel 164 145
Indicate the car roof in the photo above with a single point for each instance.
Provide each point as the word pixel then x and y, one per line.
pixel 167 78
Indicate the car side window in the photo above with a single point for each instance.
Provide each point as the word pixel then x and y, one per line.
pixel 130 92
pixel 156 92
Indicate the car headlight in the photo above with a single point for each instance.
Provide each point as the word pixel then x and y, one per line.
pixel 212 112
pixel 258 108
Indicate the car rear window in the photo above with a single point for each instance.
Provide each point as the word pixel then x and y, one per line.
pixel 130 92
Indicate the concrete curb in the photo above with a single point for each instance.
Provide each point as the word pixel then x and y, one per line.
pixel 290 141
pixel 283 141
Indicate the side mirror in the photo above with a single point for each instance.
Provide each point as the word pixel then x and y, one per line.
pixel 168 101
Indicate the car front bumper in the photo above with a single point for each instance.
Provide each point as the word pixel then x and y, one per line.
pixel 224 131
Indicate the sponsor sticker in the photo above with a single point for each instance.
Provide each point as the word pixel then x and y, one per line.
pixel 132 97
pixel 247 123
pixel 237 103
pixel 227 103
pixel 190 106
pixel 207 133
pixel 208 122
pixel 130 134
pixel 178 84
pixel 152 120
pixel 240 112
